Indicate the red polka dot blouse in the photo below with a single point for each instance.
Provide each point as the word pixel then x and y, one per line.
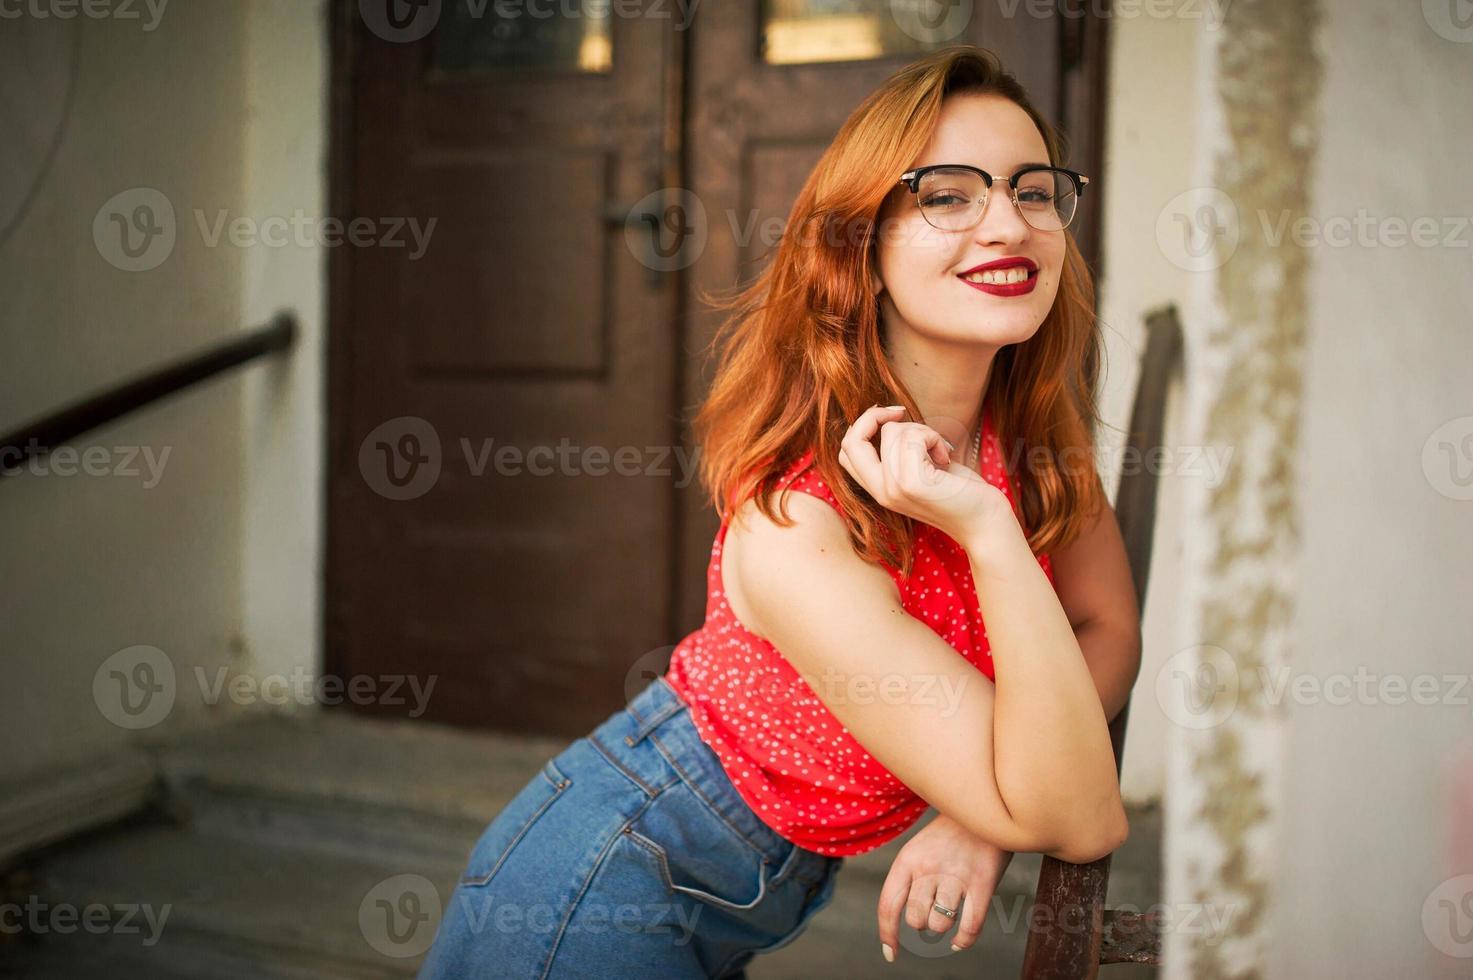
pixel 787 754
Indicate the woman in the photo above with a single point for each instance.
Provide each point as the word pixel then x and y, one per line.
pixel 843 681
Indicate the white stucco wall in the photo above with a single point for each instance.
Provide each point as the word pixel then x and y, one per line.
pixel 285 406
pixel 212 556
pixel 1149 146
pixel 1371 830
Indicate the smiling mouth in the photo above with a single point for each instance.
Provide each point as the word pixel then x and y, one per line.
pixel 1000 277
pixel 1015 280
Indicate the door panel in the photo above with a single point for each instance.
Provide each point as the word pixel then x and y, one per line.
pixel 525 583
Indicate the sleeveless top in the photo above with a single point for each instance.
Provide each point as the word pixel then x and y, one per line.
pixel 786 753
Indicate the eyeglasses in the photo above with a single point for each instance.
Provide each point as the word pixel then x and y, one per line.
pixel 953 197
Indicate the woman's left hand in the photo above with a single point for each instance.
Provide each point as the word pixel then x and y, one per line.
pixel 943 863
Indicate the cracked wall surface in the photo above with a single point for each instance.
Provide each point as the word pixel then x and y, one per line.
pixel 1248 340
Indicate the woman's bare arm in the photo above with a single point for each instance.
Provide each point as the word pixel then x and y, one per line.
pixel 916 704
pixel 1054 763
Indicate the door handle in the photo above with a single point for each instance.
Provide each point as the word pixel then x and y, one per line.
pixel 649 239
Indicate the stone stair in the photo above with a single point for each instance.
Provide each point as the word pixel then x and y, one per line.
pixel 320 847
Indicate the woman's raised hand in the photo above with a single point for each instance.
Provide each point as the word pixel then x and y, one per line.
pixel 914 473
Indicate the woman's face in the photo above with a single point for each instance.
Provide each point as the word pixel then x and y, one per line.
pixel 920 267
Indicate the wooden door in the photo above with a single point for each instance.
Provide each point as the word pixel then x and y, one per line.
pixel 509 393
pixel 485 529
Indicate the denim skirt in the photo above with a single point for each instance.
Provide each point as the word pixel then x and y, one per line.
pixel 629 855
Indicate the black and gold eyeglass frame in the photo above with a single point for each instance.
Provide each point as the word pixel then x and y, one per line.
pixel 953 196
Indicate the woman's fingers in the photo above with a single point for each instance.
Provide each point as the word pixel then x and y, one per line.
pixel 914 898
pixel 857 447
pixel 894 894
pixel 970 918
pixel 948 895
pixel 918 905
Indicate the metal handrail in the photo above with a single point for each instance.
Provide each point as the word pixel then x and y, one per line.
pixel 41 435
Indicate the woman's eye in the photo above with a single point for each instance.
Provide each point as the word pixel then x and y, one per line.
pixel 943 199
pixel 1034 195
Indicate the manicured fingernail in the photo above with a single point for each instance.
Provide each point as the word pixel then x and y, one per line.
pixel 889 953
pixel 948 444
pixel 955 948
pixel 893 407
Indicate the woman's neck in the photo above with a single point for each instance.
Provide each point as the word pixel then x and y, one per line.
pixel 947 381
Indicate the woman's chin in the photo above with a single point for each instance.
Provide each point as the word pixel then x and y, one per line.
pixel 994 331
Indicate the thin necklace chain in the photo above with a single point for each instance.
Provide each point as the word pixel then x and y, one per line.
pixel 976 444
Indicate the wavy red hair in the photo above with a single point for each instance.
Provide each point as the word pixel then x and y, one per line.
pixel 801 355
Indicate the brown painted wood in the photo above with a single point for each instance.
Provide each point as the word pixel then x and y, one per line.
pixel 530 322
pixel 1131 937
pixel 1068 935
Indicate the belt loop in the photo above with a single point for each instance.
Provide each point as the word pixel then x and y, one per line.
pixel 671 705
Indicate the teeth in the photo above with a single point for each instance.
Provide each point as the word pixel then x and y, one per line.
pixel 1016 273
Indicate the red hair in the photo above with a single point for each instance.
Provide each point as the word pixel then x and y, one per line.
pixel 802 356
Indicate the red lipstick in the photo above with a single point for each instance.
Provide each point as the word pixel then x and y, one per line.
pixel 1019 288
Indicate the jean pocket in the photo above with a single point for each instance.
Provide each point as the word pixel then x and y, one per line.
pixel 697 853
pixel 817 895
pixel 513 823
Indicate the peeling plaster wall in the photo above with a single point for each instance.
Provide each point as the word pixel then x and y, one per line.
pixel 1312 824
pixel 1260 94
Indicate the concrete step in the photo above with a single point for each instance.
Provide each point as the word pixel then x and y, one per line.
pixel 388 791
pixel 171 899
